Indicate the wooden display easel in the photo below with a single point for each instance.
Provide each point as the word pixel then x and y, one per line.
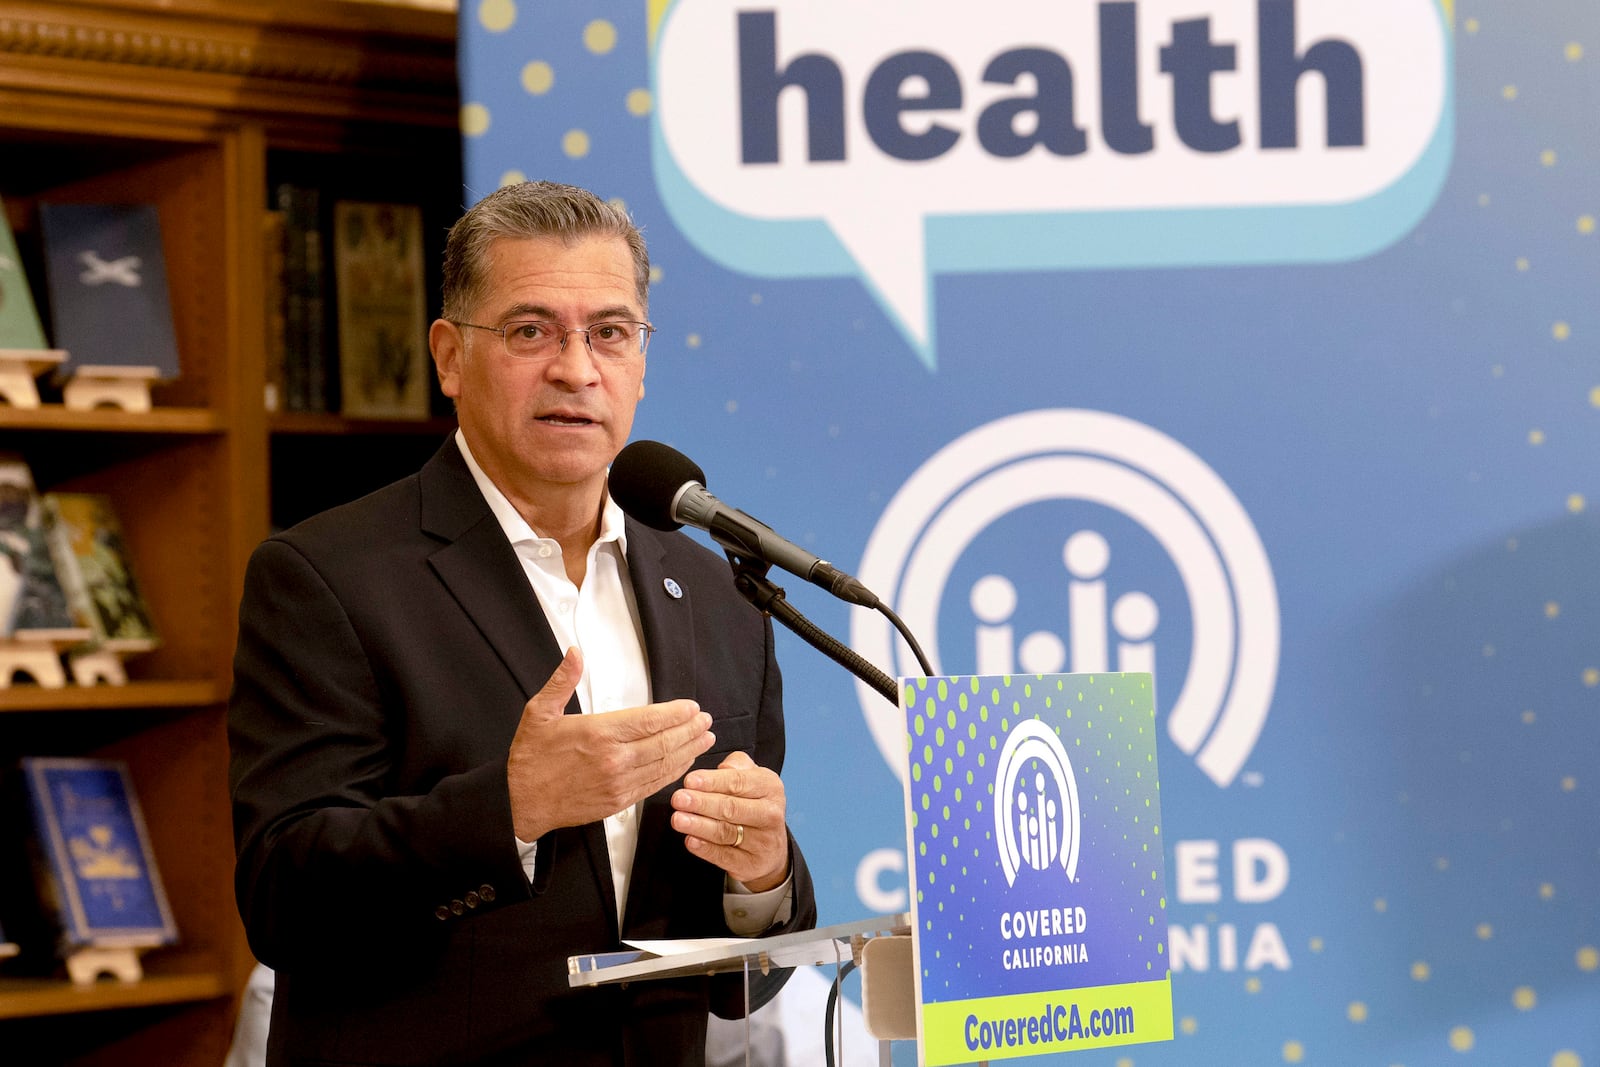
pixel 38 657
pixel 86 965
pixel 19 372
pixel 92 387
pixel 97 666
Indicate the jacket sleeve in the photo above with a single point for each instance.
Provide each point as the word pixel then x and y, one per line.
pixel 727 991
pixel 329 860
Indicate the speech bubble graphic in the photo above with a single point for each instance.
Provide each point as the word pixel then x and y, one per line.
pixel 895 140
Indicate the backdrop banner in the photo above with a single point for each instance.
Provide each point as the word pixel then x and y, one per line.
pixel 1247 343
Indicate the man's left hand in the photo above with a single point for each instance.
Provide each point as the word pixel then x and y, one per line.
pixel 733 816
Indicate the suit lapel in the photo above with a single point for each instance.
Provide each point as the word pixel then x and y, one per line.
pixel 666 609
pixel 666 613
pixel 480 568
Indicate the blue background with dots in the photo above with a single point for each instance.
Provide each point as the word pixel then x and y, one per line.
pixel 1412 433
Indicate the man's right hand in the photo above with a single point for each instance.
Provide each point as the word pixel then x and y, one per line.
pixel 567 770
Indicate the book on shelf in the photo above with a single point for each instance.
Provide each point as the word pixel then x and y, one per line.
pixel 96 571
pixel 305 300
pixel 277 338
pixel 93 869
pixel 382 310
pixel 21 329
pixel 106 277
pixel 33 605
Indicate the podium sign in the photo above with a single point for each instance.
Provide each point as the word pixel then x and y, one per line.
pixel 1035 847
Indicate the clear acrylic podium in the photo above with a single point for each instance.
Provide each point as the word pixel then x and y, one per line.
pixel 880 948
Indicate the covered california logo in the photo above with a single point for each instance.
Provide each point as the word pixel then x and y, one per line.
pixel 1217 698
pixel 1036 814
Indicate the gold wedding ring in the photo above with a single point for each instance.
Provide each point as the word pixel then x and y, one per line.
pixel 738 835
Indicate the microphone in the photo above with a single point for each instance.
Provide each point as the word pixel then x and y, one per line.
pixel 664 489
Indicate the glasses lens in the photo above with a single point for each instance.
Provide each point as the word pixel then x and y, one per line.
pixel 533 340
pixel 616 340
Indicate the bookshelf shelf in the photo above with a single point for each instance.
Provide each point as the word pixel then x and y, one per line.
pixel 22 998
pixel 134 695
pixel 202 108
pixel 316 424
pixel 110 420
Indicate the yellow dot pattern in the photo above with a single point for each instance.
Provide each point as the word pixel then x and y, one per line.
pixel 1523 998
pixel 575 144
pixel 1293 1052
pixel 1420 971
pixel 474 120
pixel 512 177
pixel 1576 503
pixel 497 16
pixel 538 77
pixel 600 37
pixel 1585 224
pixel 1462 1039
pixel 639 102
pixel 1566 1058
pixel 1561 330
pixel 1588 959
pixel 1356 1012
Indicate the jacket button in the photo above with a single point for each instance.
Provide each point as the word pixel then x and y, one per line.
pixel 471 900
pixel 441 913
pixel 457 907
pixel 487 893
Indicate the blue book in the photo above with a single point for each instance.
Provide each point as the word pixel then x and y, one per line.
pixel 20 327
pixel 100 876
pixel 107 279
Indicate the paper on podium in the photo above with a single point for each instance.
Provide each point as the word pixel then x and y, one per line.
pixel 677 959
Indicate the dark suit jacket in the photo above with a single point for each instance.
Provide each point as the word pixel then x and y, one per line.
pixel 386 649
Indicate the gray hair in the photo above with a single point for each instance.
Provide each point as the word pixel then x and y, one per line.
pixel 531 209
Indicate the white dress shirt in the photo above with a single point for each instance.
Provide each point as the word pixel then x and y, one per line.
pixel 602 619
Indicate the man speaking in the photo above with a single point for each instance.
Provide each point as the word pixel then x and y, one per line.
pixel 482 721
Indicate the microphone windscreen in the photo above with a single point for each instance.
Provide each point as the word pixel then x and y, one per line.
pixel 646 476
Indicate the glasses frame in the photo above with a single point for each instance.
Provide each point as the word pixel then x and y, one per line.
pixel 646 331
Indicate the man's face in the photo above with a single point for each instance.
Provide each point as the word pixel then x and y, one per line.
pixel 552 425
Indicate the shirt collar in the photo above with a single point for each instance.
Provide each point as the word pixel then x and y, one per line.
pixel 517 530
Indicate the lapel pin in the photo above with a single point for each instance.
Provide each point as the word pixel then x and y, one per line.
pixel 674 590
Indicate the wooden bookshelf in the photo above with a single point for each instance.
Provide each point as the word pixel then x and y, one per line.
pixel 199 106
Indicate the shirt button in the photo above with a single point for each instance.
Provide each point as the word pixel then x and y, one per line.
pixel 740 913
pixel 544 551
pixel 566 608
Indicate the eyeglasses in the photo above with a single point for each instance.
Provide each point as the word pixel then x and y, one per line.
pixel 532 339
